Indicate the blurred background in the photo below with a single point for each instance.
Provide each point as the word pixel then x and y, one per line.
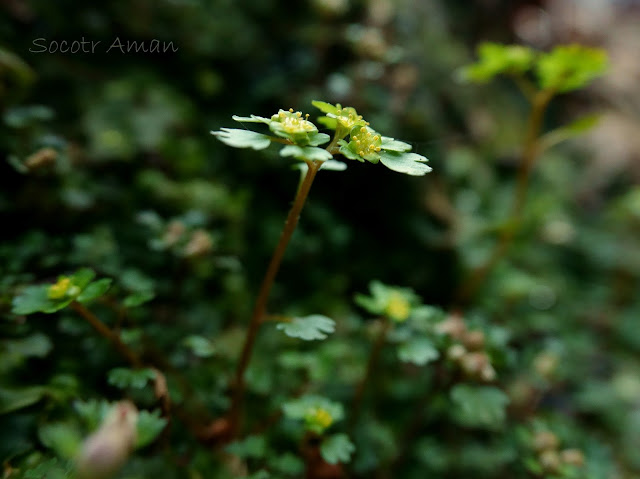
pixel 106 161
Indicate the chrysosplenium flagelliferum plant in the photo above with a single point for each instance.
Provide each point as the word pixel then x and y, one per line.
pixel 308 430
pixel 354 139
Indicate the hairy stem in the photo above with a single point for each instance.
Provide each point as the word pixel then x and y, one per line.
pixel 529 155
pixel 260 307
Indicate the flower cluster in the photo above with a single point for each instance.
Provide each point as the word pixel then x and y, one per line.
pixel 63 288
pixel 302 139
pixel 393 302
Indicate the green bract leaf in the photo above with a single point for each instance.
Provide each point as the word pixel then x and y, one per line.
pixel 138 298
pixel 570 67
pixel 308 328
pixel 576 128
pixel 390 144
pixel 63 438
pixel 94 290
pixel 333 165
pixel 418 351
pixel 330 123
pixel 251 119
pixel 49 469
pixel 347 153
pixel 346 117
pixel 35 299
pixel 319 413
pixel 495 59
pixel 316 138
pixel 82 277
pixel 337 448
pixel 15 399
pixel 242 138
pixel 479 406
pixel 306 153
pixel 288 464
pixel 408 163
pixel 36 345
pixel 200 346
pixel 149 426
pixel 134 378
pixel 92 412
pixel 325 107
pixel 250 447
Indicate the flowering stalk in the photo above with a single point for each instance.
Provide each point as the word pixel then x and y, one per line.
pixel 302 141
pixel 529 155
pixel 263 295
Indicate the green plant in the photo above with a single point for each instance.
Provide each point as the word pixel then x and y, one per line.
pixel 393 389
pixel 561 70
pixel 302 139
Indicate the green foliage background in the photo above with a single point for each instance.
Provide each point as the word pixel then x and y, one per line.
pixel 137 179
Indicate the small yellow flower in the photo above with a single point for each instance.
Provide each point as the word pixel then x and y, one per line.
pixel 398 307
pixel 319 417
pixel 348 117
pixel 365 143
pixel 60 289
pixel 292 122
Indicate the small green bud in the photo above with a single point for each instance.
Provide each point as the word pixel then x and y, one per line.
pixel 573 457
pixel 545 440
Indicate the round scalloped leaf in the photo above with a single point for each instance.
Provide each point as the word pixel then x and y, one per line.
pixel 569 67
pixel 242 138
pixel 316 139
pixel 495 58
pixel 419 351
pixel 391 144
pixel 306 153
pixel 35 299
pixel 149 427
pixel 308 328
pixel 482 406
pixel 337 448
pixel 333 165
pixel 347 153
pixel 63 438
pixel 325 107
pixel 251 119
pixel 94 290
pixel 134 378
pixel 407 163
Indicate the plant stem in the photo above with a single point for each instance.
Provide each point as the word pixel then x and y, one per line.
pixel 260 307
pixel 106 332
pixel 371 363
pixel 529 155
pixel 340 133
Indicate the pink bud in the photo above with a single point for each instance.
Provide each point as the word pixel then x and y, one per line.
pixel 105 451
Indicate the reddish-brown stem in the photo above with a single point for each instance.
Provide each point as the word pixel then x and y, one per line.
pixel 529 155
pixel 260 307
pixel 106 332
pixel 371 363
